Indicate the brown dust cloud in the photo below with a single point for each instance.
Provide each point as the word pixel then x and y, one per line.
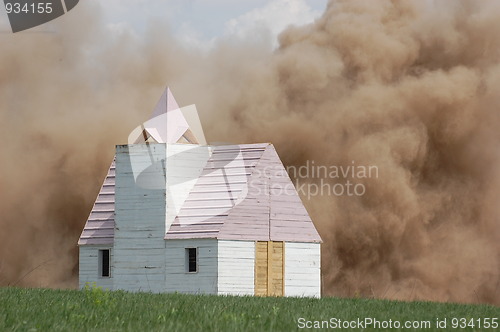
pixel 412 87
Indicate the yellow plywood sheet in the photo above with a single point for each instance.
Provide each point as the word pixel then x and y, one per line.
pixel 269 268
pixel 261 275
pixel 276 269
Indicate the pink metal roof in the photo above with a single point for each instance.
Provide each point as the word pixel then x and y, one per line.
pixel 243 193
pixel 264 205
pixel 222 182
pixel 100 226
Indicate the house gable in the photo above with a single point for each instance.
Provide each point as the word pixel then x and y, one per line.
pixel 272 210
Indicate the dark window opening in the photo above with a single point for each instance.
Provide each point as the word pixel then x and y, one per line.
pixel 192 260
pixel 104 263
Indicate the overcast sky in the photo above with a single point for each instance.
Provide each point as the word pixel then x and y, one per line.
pixel 200 22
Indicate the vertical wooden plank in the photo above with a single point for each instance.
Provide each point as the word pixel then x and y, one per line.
pixel 276 269
pixel 283 271
pixel 269 267
pixel 279 273
pixel 261 270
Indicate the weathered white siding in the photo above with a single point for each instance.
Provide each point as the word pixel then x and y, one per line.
pixel 302 269
pixel 89 267
pixel 139 245
pixel 178 280
pixel 236 266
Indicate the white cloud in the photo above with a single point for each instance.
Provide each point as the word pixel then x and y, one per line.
pixel 271 19
pixel 200 23
pixel 193 38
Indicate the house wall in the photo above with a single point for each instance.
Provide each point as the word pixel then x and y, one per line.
pixel 302 269
pixel 140 210
pixel 236 265
pixel 178 280
pixel 89 267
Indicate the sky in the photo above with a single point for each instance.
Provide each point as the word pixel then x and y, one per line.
pixel 200 23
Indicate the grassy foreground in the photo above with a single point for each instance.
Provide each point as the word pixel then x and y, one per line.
pixel 97 310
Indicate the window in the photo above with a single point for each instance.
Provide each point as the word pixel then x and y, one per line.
pixel 191 260
pixel 104 266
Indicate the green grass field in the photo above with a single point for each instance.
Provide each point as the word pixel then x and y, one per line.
pixel 98 310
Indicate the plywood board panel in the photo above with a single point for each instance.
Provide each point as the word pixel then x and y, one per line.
pixel 276 268
pixel 269 268
pixel 261 268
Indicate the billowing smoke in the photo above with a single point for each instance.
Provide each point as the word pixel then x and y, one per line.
pixel 68 94
pixel 409 87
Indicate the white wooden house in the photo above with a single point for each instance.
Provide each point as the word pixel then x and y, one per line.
pixel 177 215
